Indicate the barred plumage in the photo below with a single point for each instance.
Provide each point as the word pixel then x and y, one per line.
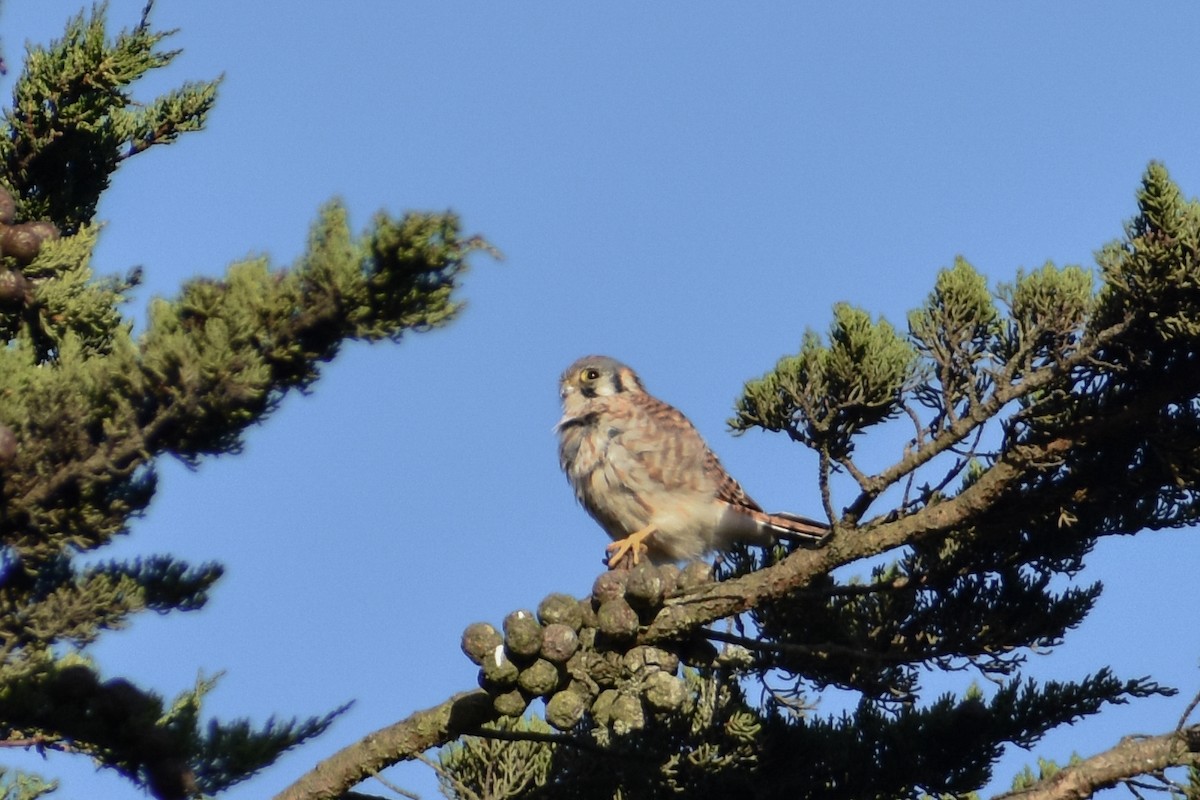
pixel 643 471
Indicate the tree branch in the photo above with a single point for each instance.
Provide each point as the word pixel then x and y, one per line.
pixel 39 743
pixel 1132 756
pixel 682 616
pixel 400 741
pixel 1058 420
pixel 678 619
pixel 979 414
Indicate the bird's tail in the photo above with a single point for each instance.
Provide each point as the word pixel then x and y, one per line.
pixel 796 528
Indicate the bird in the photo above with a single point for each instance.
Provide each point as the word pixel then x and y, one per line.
pixel 645 474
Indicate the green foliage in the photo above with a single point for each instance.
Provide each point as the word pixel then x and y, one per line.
pixel 719 745
pixel 136 732
pixel 1151 276
pixel 944 748
pixel 708 748
pixel 1047 309
pixel 87 409
pixel 228 753
pixel 956 330
pixel 950 607
pixel 825 395
pixel 478 767
pixel 1065 357
pixel 1046 768
pixel 1022 405
pixel 16 785
pixel 1191 789
pixel 74 120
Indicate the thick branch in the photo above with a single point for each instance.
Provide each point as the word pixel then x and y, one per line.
pixel 677 620
pixel 334 776
pixel 1133 756
pixel 993 500
pixel 436 726
pixel 683 616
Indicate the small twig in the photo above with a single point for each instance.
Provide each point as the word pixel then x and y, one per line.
pixel 906 499
pixel 1165 785
pixel 859 476
pixel 827 648
pixel 1150 787
pixel 39 743
pixel 950 396
pixel 1131 787
pixel 538 736
pixel 918 425
pixel 823 484
pixel 460 788
pixel 960 463
pixel 855 590
pixel 788 700
pixel 397 789
pixel 144 22
pixel 1187 712
pixel 918 440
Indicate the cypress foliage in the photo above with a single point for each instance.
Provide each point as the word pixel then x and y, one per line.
pixel 87 408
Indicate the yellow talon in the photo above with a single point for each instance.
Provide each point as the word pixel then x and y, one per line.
pixel 634 541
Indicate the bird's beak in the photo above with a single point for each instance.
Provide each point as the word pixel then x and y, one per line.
pixel 564 391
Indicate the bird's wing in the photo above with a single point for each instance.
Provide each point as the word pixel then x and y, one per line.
pixel 728 489
pixel 663 444
pixel 678 456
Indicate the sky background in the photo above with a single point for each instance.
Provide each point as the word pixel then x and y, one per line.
pixel 686 188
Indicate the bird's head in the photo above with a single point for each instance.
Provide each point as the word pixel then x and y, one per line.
pixel 595 376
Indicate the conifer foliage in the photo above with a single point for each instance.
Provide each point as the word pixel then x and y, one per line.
pixel 1038 416
pixel 87 408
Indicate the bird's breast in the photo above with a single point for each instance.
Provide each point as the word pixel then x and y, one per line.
pixel 591 455
pixel 577 449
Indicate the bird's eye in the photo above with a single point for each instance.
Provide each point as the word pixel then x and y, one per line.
pixel 589 374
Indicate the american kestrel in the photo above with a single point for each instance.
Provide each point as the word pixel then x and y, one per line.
pixel 644 473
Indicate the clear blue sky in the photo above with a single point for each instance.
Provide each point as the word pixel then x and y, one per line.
pixel 686 188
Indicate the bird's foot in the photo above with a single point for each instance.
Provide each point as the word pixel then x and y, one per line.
pixel 633 545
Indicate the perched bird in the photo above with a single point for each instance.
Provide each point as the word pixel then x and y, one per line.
pixel 644 473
